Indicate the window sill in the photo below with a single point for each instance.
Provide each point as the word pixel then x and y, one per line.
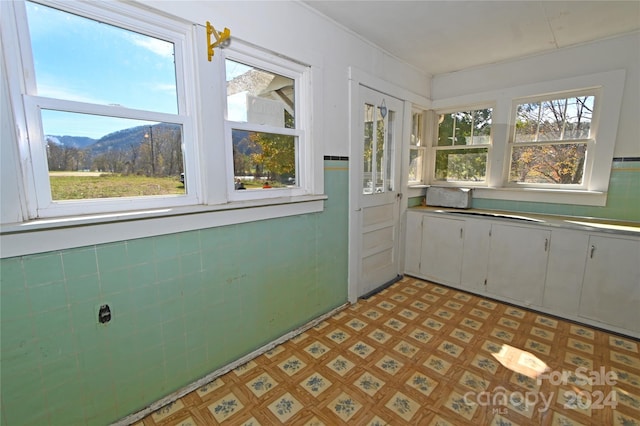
pixel 43 235
pixel 539 195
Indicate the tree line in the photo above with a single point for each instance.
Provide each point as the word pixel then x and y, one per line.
pixel 148 150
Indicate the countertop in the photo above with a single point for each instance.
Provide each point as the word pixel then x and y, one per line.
pixel 567 222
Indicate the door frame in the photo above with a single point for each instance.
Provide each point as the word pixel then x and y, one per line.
pixel 359 78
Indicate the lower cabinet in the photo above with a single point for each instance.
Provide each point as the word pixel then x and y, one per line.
pixel 518 263
pixel 611 286
pixel 565 271
pixel 441 259
pixel 413 243
pixel 475 254
pixel 577 274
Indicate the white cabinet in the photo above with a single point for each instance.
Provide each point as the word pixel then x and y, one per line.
pixel 518 263
pixel 565 271
pixel 611 286
pixel 475 254
pixel 441 259
pixel 413 245
pixel 579 274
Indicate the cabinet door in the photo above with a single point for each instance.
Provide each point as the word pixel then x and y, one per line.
pixel 611 286
pixel 442 249
pixel 413 243
pixel 518 263
pixel 565 271
pixel 475 254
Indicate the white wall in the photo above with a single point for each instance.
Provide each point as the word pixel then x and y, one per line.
pixel 605 55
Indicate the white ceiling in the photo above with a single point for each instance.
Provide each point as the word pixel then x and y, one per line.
pixel 443 36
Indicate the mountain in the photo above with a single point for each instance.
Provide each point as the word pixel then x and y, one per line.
pixel 120 140
pixel 78 142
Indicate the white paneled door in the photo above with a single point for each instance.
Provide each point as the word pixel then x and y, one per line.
pixel 375 190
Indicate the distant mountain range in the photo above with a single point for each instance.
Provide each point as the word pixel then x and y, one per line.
pixel 126 139
pixel 122 140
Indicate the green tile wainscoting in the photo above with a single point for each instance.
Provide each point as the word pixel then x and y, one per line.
pixel 623 199
pixel 183 306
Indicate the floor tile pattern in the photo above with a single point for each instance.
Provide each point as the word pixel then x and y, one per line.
pixel 424 354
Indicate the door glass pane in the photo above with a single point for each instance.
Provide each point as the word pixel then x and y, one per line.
pixel 388 156
pixel 380 153
pixel 368 152
pixel 91 156
pixel 80 59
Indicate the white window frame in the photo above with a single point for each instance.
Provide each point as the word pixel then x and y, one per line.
pixel 434 148
pixel 301 75
pixel 38 192
pixel 421 147
pixel 610 85
pixel 590 142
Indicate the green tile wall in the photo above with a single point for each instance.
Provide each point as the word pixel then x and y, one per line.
pixel 623 199
pixel 183 305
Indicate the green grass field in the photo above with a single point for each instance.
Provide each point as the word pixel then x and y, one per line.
pixel 78 186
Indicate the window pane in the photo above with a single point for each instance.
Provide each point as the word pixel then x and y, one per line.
pixel 259 96
pixel 554 120
pixel 83 60
pixel 263 160
pixel 91 156
pixel 381 153
pixel 465 128
pixel 368 151
pixel 416 129
pixel 461 164
pixel 415 165
pixel 558 164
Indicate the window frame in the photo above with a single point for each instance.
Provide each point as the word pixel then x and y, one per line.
pixel 590 142
pixel 610 83
pixel 32 147
pixel 434 147
pixel 421 147
pixel 301 75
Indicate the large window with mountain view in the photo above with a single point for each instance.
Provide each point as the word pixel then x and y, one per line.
pixel 105 109
pixel 551 139
pixel 462 145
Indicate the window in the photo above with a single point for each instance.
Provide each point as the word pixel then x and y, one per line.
pixel 265 127
pixel 105 98
pixel 105 110
pixel 417 149
pixel 462 144
pixel 551 139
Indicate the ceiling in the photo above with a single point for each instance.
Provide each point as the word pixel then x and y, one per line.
pixel 444 36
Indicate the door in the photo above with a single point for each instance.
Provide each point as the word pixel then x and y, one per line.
pixel 375 196
pixel 442 244
pixel 610 290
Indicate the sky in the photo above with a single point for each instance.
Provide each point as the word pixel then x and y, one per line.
pixel 83 60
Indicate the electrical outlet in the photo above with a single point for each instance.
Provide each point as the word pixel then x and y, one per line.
pixel 104 313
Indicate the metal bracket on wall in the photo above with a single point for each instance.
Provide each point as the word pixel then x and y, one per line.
pixel 222 39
